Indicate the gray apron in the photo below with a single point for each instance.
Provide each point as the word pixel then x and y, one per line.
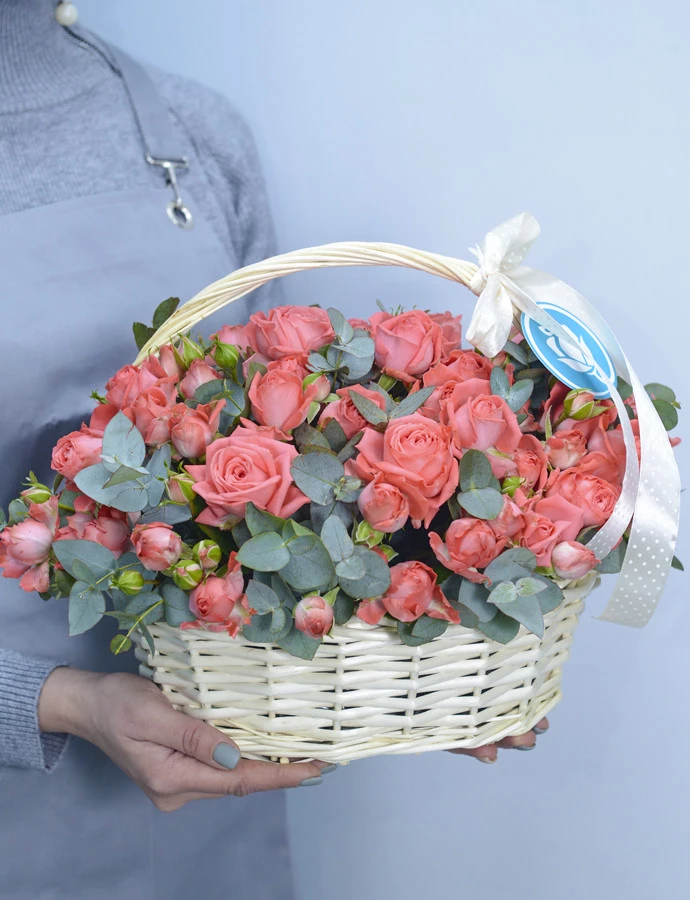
pixel 74 276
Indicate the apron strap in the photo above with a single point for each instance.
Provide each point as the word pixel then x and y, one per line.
pixel 152 116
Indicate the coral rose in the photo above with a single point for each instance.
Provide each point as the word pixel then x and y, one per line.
pixel 214 599
pixel 287 330
pixel 541 535
pixel 151 411
pixel 346 413
pixel 406 345
pixel 484 422
pixel 569 517
pixel 413 591
pixel 384 506
pixel 451 328
pixel 566 448
pixel 571 559
pixel 198 373
pixel 413 454
pixel 470 544
pixel 126 385
pixel 249 465
pixel 192 430
pixel 595 497
pixel 156 545
pixel 279 399
pixel 76 451
pixel 313 616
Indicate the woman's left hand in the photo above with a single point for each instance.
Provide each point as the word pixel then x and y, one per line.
pixel 489 753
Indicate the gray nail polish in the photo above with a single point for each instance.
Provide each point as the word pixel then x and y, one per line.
pixel 525 746
pixel 317 779
pixel 540 730
pixel 226 755
pixel 331 767
pixel 486 759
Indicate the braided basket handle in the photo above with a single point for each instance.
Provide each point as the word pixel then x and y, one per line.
pixel 345 253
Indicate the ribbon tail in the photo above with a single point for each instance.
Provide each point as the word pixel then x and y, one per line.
pixel 492 318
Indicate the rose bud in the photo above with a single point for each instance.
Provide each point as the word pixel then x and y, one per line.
pixel 208 553
pixel 187 574
pixel 129 582
pixel 572 560
pixel 190 351
pixel 37 493
pixel 156 545
pixel 199 373
pixel 215 599
pixel 313 616
pixel 180 488
pixel 226 355
pixel 24 545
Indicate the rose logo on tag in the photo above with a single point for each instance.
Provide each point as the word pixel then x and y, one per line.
pixel 582 363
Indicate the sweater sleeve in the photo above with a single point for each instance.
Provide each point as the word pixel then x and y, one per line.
pixel 22 743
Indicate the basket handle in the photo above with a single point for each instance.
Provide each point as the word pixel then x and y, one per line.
pixel 345 253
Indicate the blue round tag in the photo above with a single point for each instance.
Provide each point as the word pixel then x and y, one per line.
pixel 579 368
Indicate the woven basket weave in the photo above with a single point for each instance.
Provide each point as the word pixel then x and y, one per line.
pixel 365 692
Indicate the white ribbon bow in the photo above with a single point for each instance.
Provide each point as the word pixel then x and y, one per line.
pixel 650 492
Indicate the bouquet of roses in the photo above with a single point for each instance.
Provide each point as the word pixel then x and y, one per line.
pixel 293 472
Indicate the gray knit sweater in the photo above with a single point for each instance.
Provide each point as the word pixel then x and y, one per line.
pixel 67 130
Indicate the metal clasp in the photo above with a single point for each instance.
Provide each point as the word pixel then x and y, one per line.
pixel 178 213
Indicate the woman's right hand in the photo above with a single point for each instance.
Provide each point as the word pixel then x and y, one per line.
pixel 172 757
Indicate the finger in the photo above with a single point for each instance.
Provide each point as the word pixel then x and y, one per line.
pixel 541 726
pixel 185 774
pixel 192 737
pixel 519 741
pixel 486 754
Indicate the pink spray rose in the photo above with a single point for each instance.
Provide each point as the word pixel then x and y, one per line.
pixel 541 534
pixel 198 373
pixel 286 330
pixel 595 497
pixel 413 454
pixel 406 345
pixel 460 365
pixel 214 599
pixel 151 411
pixel 413 591
pixel 235 334
pixel 156 545
pixel 279 399
pixel 126 385
pixel 247 465
pixel 25 547
pixel 313 616
pixel 192 430
pixel 483 422
pixel 76 451
pixel 384 506
pixel 452 330
pixel 566 448
pixel 531 462
pixel 566 515
pixel 572 560
pixel 346 413
pixel 510 523
pixel 470 544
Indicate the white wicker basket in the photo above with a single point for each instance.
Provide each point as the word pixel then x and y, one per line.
pixel 365 692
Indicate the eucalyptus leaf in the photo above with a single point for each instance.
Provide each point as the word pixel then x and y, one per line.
pixel 318 363
pixel 352 568
pixel 501 628
pixel 376 579
pixel 306 435
pixel 317 474
pixel 334 435
pixel 123 474
pixel 148 605
pixel 285 593
pixel 504 593
pixel 265 552
pixel 83 573
pixel 99 560
pixel 259 521
pixel 120 642
pixel 613 561
pixel 660 392
pixel 142 334
pixel 677 564
pixel 86 607
pixel 667 413
pixel 160 461
pixel 428 627
pixel 261 597
pixel 170 513
pixel 368 409
pixel 299 644
pixel 338 321
pixel 241 533
pixel 147 637
pixel 360 347
pixel 410 404
pixel 518 562
pixel 129 497
pixel 524 609
pixel 336 540
pixel 484 503
pixel 516 351
pixel 176 602
pixel 529 587
pixel 468 619
pixel 519 394
pixel 350 448
pixel 476 598
pixel 343 608
pixel 312 570
pixel 17 511
pixel 123 442
pixel 475 471
pixel 499 382
pixel 551 596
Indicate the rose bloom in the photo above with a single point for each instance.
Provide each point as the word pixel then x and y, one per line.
pixel 541 535
pixel 346 413
pixel 451 328
pixel 198 373
pixel 384 506
pixel 279 399
pixel 412 593
pixel 313 616
pixel 595 497
pixel 470 544
pixel 76 451
pixel 565 449
pixel 566 515
pixel 571 559
pixel 531 462
pixel 481 423
pixel 156 545
pixel 109 529
pixel 100 418
pixel 214 599
pixel 413 454
pixel 235 334
pixel 151 410
pixel 126 385
pixel 192 430
pixel 510 522
pixel 25 547
pixel 166 357
pixel 406 345
pixel 286 330
pixel 460 365
pixel 249 465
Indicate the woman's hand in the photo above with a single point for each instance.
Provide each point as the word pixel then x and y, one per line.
pixel 172 757
pixel 489 753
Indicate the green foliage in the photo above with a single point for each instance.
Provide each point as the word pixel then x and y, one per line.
pixel 475 597
pixel 176 605
pixel 308 438
pixel 309 566
pixel 89 556
pixel 299 644
pixel 120 643
pixel 266 552
pixel 368 409
pixel 668 413
pixel 677 564
pixel 480 490
pixel 17 511
pixel 376 579
pixel 335 437
pixel 410 404
pixel 269 627
pixel 343 608
pixel 421 631
pixel 259 521
pixel 86 607
pixel 613 561
pixel 317 475
pixel 518 562
pixel 261 597
pixel 336 539
pixel 501 628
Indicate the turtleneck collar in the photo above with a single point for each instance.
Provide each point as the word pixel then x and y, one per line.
pixel 40 64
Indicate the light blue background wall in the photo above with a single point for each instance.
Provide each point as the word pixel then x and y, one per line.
pixel 427 123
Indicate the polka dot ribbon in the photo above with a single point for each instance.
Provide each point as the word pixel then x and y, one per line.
pixel 649 502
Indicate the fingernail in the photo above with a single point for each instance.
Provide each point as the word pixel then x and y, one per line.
pixel 331 767
pixel 486 759
pixel 524 746
pixel 317 779
pixel 538 730
pixel 226 755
